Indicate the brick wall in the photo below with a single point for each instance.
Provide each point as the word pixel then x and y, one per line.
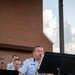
pixel 21 23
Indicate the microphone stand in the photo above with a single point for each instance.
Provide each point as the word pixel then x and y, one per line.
pixel 2 62
pixel 1 67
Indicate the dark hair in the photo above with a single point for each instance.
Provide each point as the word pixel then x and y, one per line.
pixel 17 59
pixel 14 56
pixel 36 47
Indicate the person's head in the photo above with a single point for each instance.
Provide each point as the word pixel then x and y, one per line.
pixel 14 57
pixel 38 52
pixel 17 64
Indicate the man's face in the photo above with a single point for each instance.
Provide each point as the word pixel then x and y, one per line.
pixel 17 64
pixel 38 53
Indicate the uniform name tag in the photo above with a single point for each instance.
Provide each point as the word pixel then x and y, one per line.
pixel 32 64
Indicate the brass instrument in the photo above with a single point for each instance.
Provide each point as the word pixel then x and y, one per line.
pixel 37 73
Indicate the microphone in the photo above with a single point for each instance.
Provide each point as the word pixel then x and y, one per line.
pixel 2 63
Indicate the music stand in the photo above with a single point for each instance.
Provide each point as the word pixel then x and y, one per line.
pixel 9 72
pixel 57 63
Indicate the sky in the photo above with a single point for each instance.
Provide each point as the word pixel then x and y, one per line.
pixel 51 23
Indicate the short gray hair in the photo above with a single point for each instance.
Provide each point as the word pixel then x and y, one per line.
pixel 37 47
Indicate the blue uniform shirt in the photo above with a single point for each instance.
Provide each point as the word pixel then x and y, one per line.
pixel 10 66
pixel 29 67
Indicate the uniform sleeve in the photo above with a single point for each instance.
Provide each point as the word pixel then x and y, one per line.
pixel 23 69
pixel 9 66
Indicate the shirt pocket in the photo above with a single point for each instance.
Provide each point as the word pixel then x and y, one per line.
pixel 31 69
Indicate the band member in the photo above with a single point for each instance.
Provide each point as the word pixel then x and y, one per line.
pixel 10 65
pixel 17 64
pixel 30 65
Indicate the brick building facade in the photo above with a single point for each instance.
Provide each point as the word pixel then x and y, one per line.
pixel 21 28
